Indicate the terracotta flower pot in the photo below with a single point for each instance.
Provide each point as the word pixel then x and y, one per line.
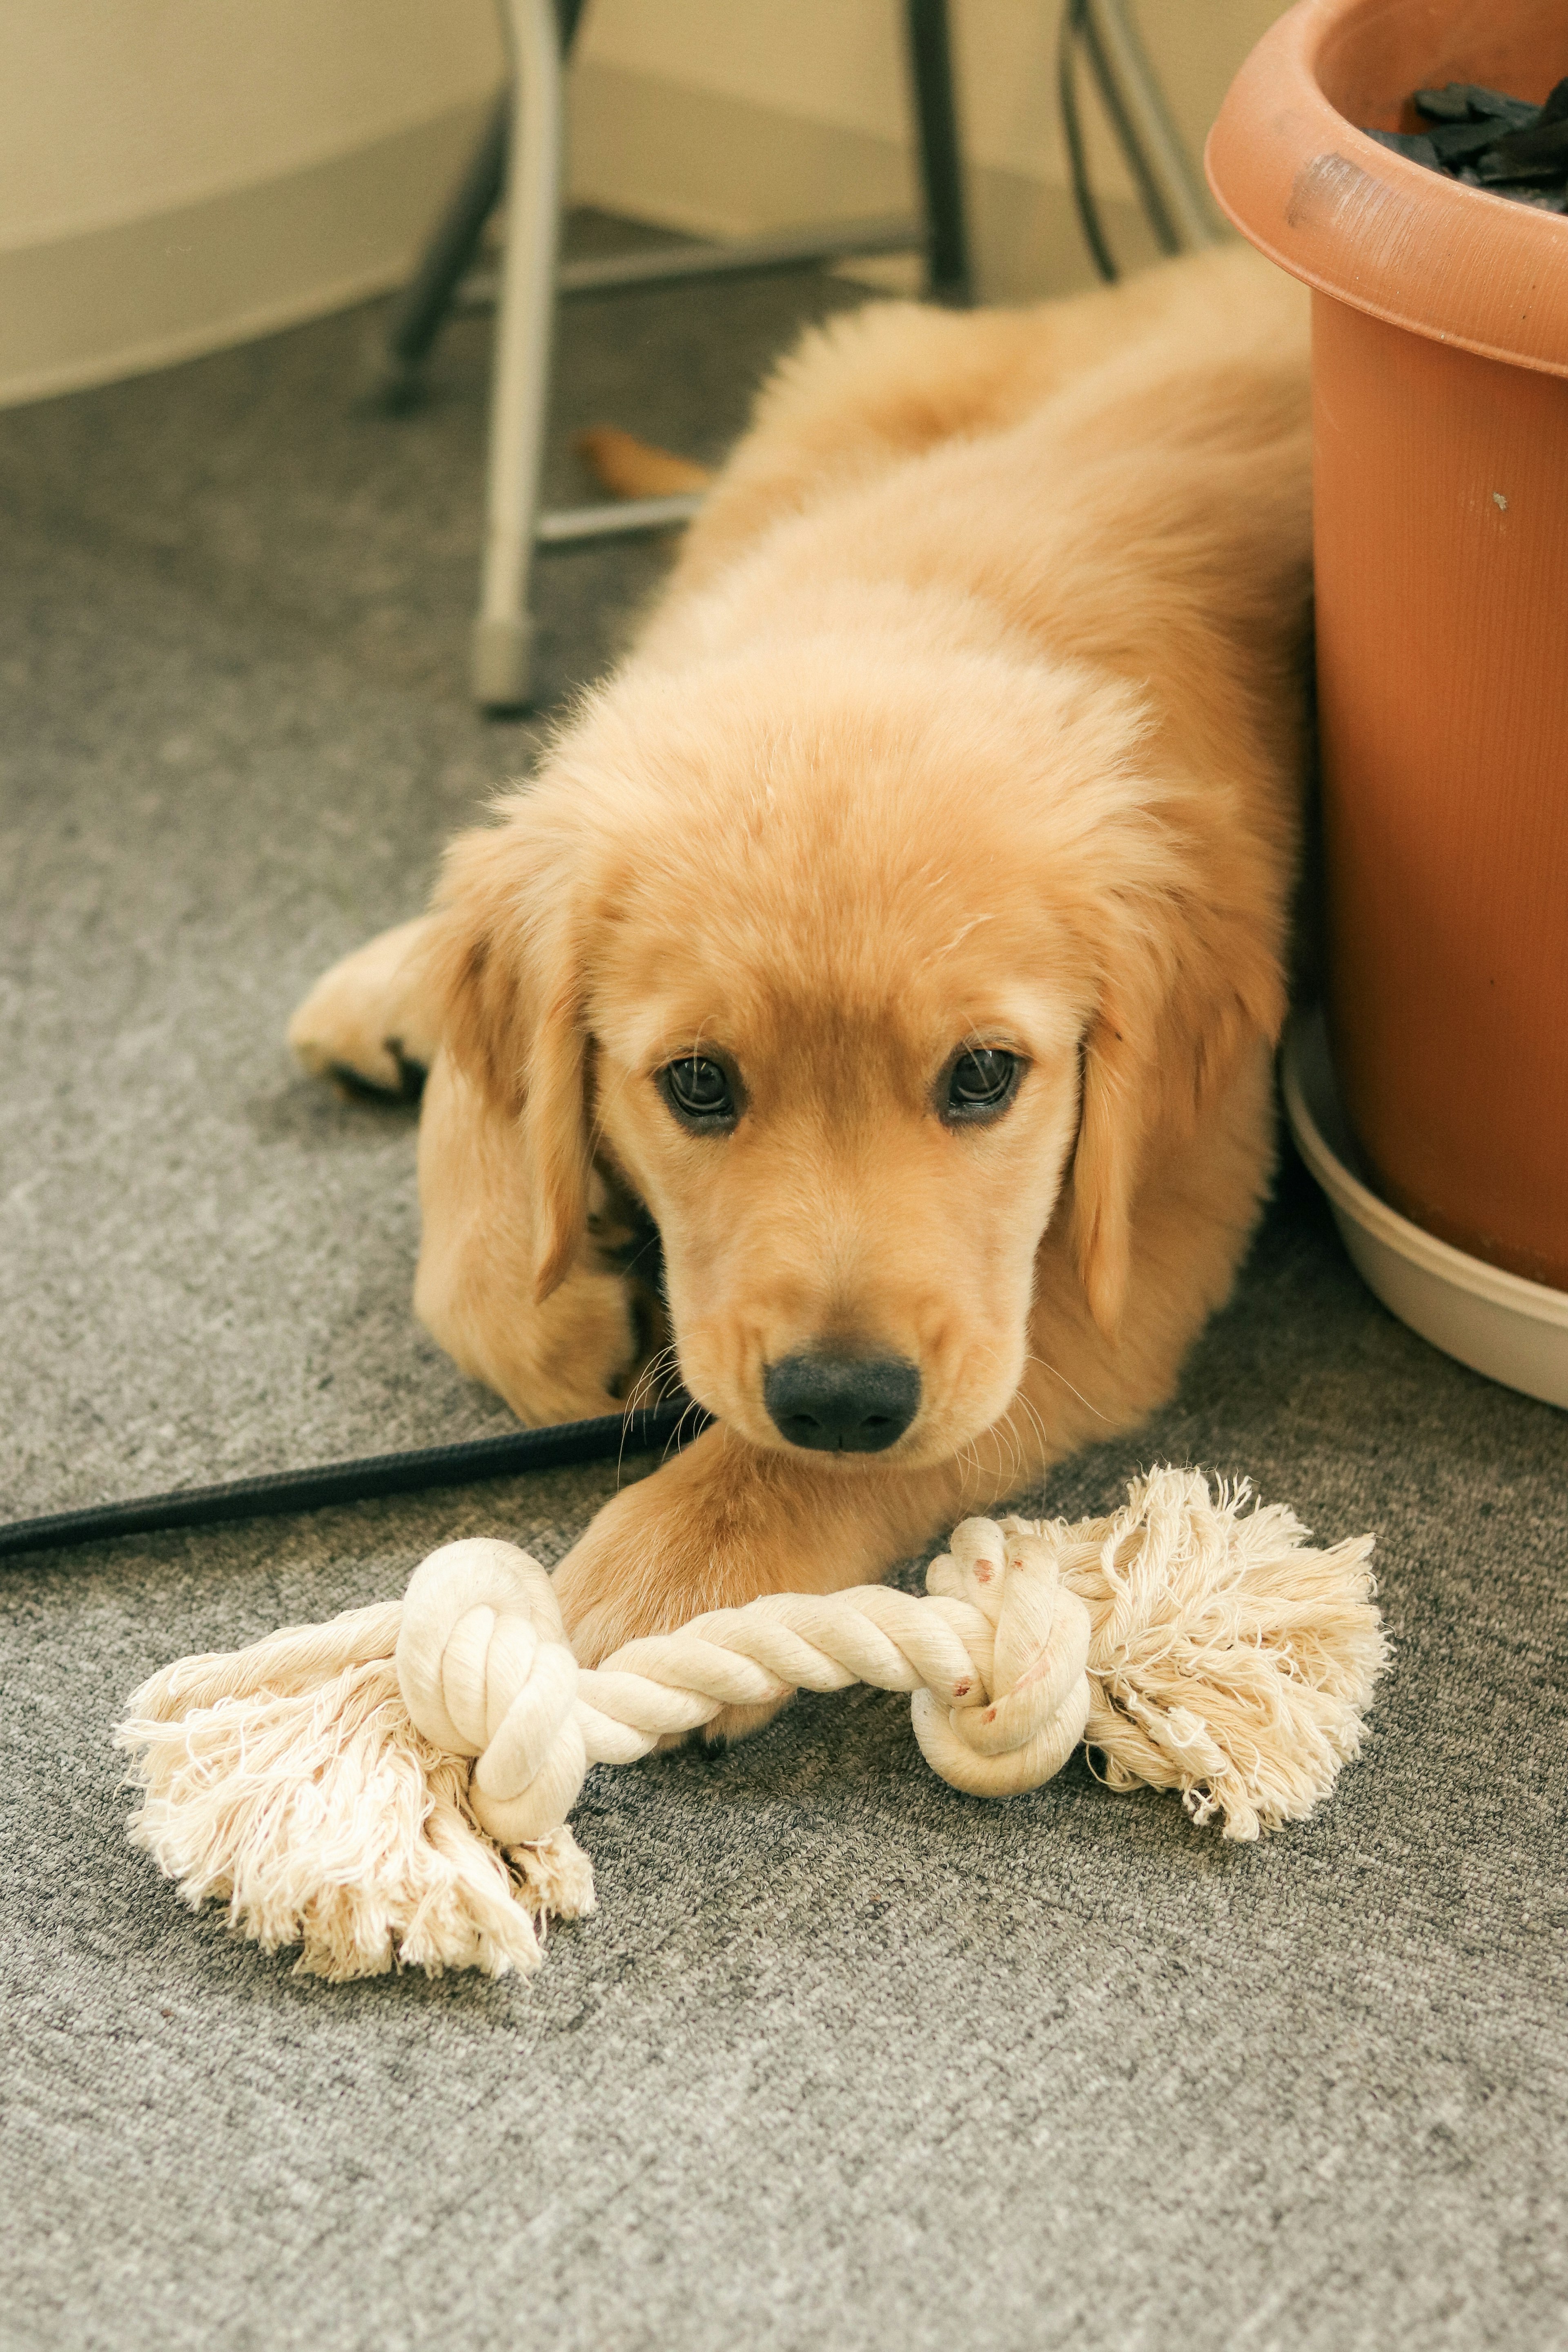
pixel 1439 353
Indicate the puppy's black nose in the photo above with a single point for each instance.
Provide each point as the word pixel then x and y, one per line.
pixel 842 1404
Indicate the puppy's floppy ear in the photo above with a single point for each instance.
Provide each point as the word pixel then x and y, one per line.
pixel 505 962
pixel 1190 987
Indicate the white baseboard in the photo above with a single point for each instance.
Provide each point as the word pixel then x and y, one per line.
pixel 118 301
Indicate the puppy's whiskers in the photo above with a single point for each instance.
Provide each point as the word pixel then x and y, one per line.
pixel 673 1443
pixel 1061 1376
pixel 1007 1477
pixel 1004 1424
pixel 643 1397
pixel 651 1379
pixel 1021 1403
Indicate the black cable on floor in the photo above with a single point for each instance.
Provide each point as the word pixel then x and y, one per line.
pixel 359 1481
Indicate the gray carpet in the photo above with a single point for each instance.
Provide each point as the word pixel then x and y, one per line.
pixel 234 622
pixel 844 2057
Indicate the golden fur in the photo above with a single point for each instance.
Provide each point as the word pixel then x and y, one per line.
pixel 971 715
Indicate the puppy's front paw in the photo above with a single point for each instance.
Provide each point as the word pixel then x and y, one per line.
pixel 716 1528
pixel 656 1557
pixel 363 1022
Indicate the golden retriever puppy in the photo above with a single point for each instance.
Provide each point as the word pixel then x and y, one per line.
pixel 897 935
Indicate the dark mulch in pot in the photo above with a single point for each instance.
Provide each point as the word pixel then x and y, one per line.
pixel 1490 141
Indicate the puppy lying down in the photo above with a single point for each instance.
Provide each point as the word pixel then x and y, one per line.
pixel 898 932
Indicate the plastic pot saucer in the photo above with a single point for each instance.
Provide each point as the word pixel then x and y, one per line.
pixel 1513 1330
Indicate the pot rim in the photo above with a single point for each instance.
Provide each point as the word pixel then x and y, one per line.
pixel 1368 227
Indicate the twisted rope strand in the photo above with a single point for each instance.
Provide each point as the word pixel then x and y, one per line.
pixel 486 1671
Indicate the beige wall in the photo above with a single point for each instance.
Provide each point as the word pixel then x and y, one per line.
pixel 840 62
pixel 118 107
pixel 734 115
pixel 176 175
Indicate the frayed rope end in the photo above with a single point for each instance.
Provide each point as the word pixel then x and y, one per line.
pixel 322 1818
pixel 1231 1661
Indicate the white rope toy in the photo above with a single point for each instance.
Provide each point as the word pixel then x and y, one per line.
pixel 394 1785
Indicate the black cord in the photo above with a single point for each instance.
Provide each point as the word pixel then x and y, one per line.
pixel 1074 23
pixel 426 1466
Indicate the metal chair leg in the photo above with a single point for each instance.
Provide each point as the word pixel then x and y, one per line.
pixel 423 307
pixel 538 35
pixel 419 311
pixel 503 632
pixel 948 278
pixel 1169 189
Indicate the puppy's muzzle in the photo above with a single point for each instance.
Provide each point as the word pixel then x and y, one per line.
pixel 842 1404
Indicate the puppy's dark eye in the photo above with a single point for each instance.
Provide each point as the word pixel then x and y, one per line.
pixel 980 1085
pixel 699 1093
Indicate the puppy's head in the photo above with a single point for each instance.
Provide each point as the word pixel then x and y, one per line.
pixel 859 973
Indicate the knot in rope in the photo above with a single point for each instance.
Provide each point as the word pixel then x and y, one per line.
pixel 1020 1728
pixel 486 1670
